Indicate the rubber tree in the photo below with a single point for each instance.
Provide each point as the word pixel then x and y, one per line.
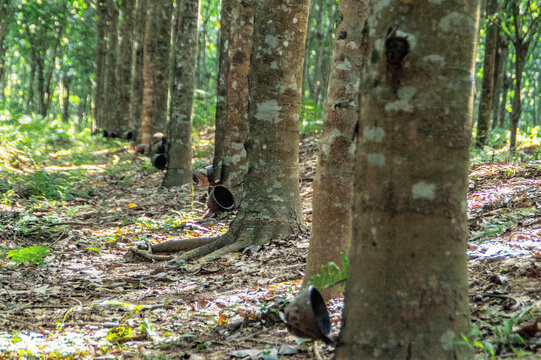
pixel 270 205
pixel 179 134
pixel 407 288
pixel 333 184
pixel 157 45
pixel 232 163
pixel 487 85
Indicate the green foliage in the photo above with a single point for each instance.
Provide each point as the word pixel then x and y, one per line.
pixel 331 274
pixel 311 116
pixel 118 333
pixel 34 255
pixel 497 225
pixel 204 109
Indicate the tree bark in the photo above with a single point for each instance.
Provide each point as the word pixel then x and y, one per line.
pixel 110 115
pixel 333 184
pixel 221 91
pixel 499 79
pixel 179 134
pixel 156 69
pixel 407 290
pixel 125 65
pixel 101 58
pixel 237 87
pixel 270 206
pixel 487 87
pixel 136 88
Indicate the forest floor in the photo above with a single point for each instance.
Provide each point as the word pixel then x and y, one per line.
pixel 91 301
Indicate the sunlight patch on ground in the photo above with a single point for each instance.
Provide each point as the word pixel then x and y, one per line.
pixel 90 168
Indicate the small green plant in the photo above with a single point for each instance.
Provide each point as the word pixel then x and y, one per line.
pixel 34 255
pixel 331 274
pixel 118 333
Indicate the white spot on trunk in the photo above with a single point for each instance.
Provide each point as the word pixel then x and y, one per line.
pixel 379 5
pixel 405 94
pixel 274 65
pixel 268 111
pixel 373 133
pixel 272 41
pixel 456 20
pixel 435 59
pixel 423 190
pixel 295 20
pixel 286 43
pixel 409 37
pixel 346 65
pixel 293 84
pixel 376 158
pixel 234 85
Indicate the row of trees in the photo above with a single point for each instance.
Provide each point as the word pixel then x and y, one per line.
pixel 399 100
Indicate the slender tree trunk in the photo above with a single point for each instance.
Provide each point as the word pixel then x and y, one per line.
pixel 307 52
pixel 136 88
pixel 333 184
pixel 5 19
pixel 179 135
pixel 111 122
pixel 487 90
pixel 156 69
pixel 66 84
pixel 236 128
pixel 32 75
pixel 41 86
pixel 318 40
pixel 270 206
pixel 499 76
pixel 125 65
pixel 201 67
pixel 221 91
pixel 407 289
pixel 101 63
pixel 517 99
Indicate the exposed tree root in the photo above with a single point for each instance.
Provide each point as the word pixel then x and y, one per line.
pixel 172 246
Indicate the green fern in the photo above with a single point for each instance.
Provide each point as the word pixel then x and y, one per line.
pixel 34 255
pixel 331 274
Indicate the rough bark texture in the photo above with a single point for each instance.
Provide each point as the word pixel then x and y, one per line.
pixel 136 88
pixel 333 183
pixel 270 206
pixel 237 87
pixel 179 134
pixel 487 87
pixel 101 55
pixel 407 290
pixel 155 69
pixel 125 65
pixel 110 117
pixel 221 91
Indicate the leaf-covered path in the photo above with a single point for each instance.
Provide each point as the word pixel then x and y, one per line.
pixel 92 301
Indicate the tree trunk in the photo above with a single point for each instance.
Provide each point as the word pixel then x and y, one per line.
pixel 125 65
pixel 101 63
pixel 499 78
pixel 307 80
pixel 333 183
pixel 5 19
pixel 270 206
pixel 201 67
pixel 30 101
pixel 111 76
pixel 407 289
pixel 487 87
pixel 136 88
pixel 179 134
pixel 520 60
pixel 66 83
pixel 41 85
pixel 221 91
pixel 238 67
pixel 156 69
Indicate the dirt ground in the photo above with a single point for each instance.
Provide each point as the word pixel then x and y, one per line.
pixel 230 307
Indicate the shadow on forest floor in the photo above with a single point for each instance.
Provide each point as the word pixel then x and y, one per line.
pixel 91 301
